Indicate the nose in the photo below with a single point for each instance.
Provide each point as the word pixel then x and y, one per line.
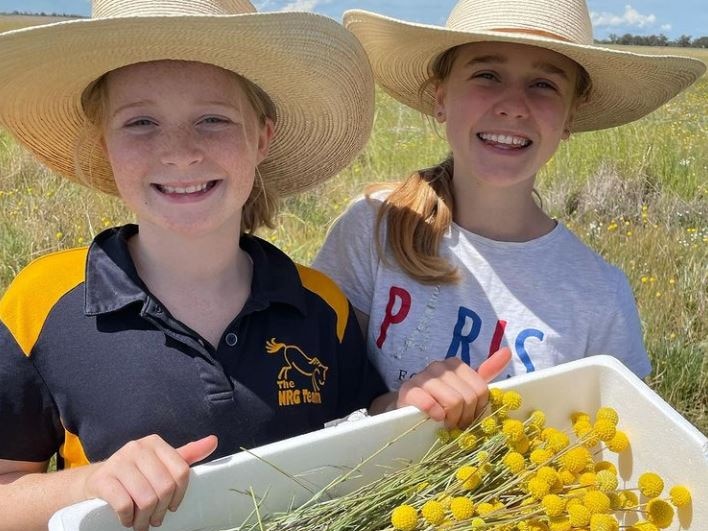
pixel 180 147
pixel 512 104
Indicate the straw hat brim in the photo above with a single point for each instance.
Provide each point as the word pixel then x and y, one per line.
pixel 315 71
pixel 625 86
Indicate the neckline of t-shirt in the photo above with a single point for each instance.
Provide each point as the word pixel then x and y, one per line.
pixel 535 243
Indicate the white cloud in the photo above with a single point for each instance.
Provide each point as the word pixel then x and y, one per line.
pixel 666 27
pixel 631 17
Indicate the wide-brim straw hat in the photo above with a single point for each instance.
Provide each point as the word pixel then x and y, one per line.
pixel 315 71
pixel 625 86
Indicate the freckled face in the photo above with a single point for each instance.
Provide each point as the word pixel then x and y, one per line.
pixel 183 141
pixel 506 108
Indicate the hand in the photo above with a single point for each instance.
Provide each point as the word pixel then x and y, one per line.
pixel 145 478
pixel 451 390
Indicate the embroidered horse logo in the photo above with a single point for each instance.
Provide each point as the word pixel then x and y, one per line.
pixel 296 359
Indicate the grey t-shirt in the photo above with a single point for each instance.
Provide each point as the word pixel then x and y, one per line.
pixel 551 300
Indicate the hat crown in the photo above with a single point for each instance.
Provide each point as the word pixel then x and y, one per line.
pixel 566 20
pixel 149 8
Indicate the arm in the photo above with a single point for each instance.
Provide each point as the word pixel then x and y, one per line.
pixel 447 390
pixel 141 481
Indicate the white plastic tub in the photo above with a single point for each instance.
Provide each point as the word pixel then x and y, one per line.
pixel 217 498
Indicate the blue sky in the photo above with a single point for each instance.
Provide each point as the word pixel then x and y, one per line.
pixel 642 17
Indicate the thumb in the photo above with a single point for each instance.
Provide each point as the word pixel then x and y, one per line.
pixel 198 450
pixel 494 365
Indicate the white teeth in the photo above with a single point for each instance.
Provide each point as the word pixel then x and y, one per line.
pixel 187 190
pixel 505 139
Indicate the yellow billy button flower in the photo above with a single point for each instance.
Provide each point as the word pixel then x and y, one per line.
pixel 522 445
pixel 566 477
pixel 553 505
pixel 443 435
pixel 603 522
pixel 587 479
pixel 477 523
pixel 629 499
pixel 461 508
pixel 558 441
pixel 618 443
pixel 511 400
pixel 404 518
pixel 605 465
pixel 597 502
pixel 538 419
pixel 466 441
pixel 561 523
pixel 578 416
pixel 540 456
pixel 515 462
pixel 538 488
pixel 680 495
pixel 468 476
pixel 579 515
pixel 606 481
pixel 495 397
pixel 484 508
pixel 455 433
pixel 489 425
pixel 650 484
pixel 576 459
pixel 604 429
pixel 607 413
pixel 513 429
pixel 659 513
pixel 433 512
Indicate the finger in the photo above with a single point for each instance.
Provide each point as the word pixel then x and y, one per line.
pixel 140 491
pixel 112 491
pixel 197 450
pixel 447 390
pixel 416 396
pixel 179 470
pixel 494 365
pixel 474 391
pixel 152 466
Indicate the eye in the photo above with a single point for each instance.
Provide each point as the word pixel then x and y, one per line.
pixel 546 85
pixel 214 120
pixel 140 122
pixel 485 75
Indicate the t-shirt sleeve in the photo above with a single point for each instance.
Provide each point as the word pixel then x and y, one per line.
pixel 348 255
pixel 622 336
pixel 30 426
pixel 359 381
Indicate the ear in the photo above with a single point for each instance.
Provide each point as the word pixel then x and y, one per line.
pixel 265 136
pixel 439 109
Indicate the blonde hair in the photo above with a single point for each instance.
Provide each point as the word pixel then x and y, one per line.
pixel 419 210
pixel 262 204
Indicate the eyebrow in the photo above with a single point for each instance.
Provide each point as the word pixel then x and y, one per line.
pixel 132 104
pixel 544 66
pixel 140 103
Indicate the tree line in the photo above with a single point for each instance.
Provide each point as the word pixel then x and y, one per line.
pixel 684 41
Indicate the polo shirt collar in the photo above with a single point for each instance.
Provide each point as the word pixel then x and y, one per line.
pixel 112 282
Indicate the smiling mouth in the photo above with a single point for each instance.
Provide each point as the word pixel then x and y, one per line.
pixel 186 190
pixel 505 141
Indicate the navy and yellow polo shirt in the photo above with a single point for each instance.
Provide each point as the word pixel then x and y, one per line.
pixel 90 360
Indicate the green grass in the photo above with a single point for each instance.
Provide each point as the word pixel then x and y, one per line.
pixel 637 194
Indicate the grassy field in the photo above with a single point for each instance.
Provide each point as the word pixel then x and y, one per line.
pixel 637 194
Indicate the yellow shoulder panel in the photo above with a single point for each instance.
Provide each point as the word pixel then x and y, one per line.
pixel 36 289
pixel 72 451
pixel 323 286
